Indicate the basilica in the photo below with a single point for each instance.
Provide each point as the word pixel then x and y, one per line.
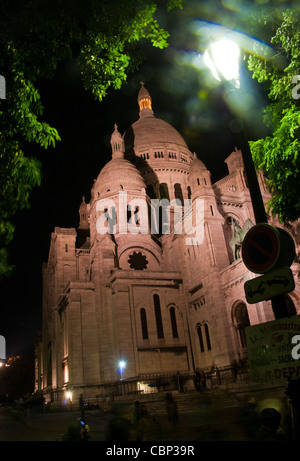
pixel 151 282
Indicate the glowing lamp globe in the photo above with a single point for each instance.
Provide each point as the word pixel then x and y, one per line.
pixel 222 58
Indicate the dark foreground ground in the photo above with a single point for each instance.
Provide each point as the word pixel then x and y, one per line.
pixel 212 417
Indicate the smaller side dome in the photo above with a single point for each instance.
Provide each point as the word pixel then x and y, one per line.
pixel 199 174
pixel 119 173
pixel 197 166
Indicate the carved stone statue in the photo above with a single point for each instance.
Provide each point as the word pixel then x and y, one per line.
pixel 238 237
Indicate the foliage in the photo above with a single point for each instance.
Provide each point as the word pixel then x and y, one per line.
pixel 278 155
pixel 17 379
pixel 35 35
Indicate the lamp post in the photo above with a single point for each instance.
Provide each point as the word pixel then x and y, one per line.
pixel 122 366
pixel 222 58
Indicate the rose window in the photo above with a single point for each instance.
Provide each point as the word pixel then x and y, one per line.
pixel 137 261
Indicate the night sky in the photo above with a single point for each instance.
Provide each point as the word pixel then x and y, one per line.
pixel 180 95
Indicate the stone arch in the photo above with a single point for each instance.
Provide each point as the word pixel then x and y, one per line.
pixel 147 257
pixel 240 320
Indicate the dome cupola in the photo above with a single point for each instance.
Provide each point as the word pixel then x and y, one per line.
pixel 199 177
pixel 118 174
pixel 117 144
pixel 144 101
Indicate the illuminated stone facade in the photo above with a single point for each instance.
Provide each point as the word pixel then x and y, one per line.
pixel 161 302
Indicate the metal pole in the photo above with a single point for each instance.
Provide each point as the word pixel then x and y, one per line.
pixel 279 306
pixel 252 180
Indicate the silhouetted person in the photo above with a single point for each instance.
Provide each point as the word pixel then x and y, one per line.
pixel 197 379
pixel 81 405
pixel 203 380
pixel 147 428
pixel 172 409
pixel 235 369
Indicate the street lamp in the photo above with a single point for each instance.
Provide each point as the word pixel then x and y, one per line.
pixel 122 366
pixel 222 58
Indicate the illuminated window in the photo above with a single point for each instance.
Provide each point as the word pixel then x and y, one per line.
pixel 145 103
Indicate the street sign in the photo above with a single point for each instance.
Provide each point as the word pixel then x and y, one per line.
pixel 273 283
pixel 261 248
pixel 273 350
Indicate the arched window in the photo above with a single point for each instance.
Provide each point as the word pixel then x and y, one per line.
pixel 200 337
pixel 178 192
pixel 207 336
pixel 173 322
pixel 150 191
pixel 144 323
pixel 158 318
pixel 241 321
pixel 66 274
pixel 164 191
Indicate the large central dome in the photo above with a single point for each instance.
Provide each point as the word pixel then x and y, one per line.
pixel 149 131
pixel 150 135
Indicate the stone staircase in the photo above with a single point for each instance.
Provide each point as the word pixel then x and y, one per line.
pixel 187 402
